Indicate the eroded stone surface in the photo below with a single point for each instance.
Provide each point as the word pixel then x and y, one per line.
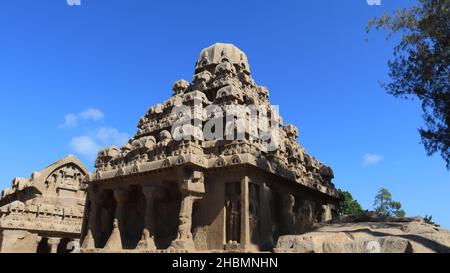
pixel 369 235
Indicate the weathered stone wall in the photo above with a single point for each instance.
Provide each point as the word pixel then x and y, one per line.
pixel 18 241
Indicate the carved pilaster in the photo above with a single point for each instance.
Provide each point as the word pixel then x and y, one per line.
pixel 287 213
pixel 266 221
pixel 245 213
pixel 94 203
pixel 326 213
pixel 115 240
pixel 246 241
pixel 192 188
pixel 185 239
pixel 89 241
pixel 54 242
pixel 148 241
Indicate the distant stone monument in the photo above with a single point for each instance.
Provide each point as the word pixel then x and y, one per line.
pixel 211 169
pixel 44 213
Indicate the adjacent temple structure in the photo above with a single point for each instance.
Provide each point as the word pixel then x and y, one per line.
pixel 44 213
pixel 161 192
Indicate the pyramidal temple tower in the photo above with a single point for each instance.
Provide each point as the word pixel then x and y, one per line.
pixel 213 168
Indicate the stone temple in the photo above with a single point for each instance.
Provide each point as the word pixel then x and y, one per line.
pixel 44 213
pixel 171 189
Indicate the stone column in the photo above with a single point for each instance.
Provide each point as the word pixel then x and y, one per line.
pixel 245 214
pixel 326 213
pixel 89 239
pixel 38 241
pixel 192 188
pixel 54 242
pixel 287 214
pixel 185 239
pixel 148 240
pixel 266 221
pixel 114 242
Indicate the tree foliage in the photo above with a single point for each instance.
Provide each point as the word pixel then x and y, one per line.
pixel 429 220
pixel 349 205
pixel 420 68
pixel 385 206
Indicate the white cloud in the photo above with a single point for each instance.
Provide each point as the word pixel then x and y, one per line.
pixel 372 159
pixel 89 145
pixel 71 120
pixel 85 145
pixel 95 138
pixel 92 114
pixel 111 136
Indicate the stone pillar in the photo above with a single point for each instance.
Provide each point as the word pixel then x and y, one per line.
pixel 192 188
pixel 38 241
pixel 54 242
pixel 245 214
pixel 89 239
pixel 326 213
pixel 114 242
pixel 185 239
pixel 287 214
pixel 148 240
pixel 266 221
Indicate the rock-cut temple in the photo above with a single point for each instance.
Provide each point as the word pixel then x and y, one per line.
pixel 170 188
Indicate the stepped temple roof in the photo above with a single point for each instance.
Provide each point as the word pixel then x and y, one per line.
pixel 222 82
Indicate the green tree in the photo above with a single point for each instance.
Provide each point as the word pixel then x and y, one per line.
pixel 385 206
pixel 429 220
pixel 420 67
pixel 349 205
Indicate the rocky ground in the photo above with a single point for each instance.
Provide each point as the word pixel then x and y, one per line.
pixel 369 233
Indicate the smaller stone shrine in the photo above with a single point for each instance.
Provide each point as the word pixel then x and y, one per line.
pixel 44 213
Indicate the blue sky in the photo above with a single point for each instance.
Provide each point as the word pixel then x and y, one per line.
pixel 74 79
